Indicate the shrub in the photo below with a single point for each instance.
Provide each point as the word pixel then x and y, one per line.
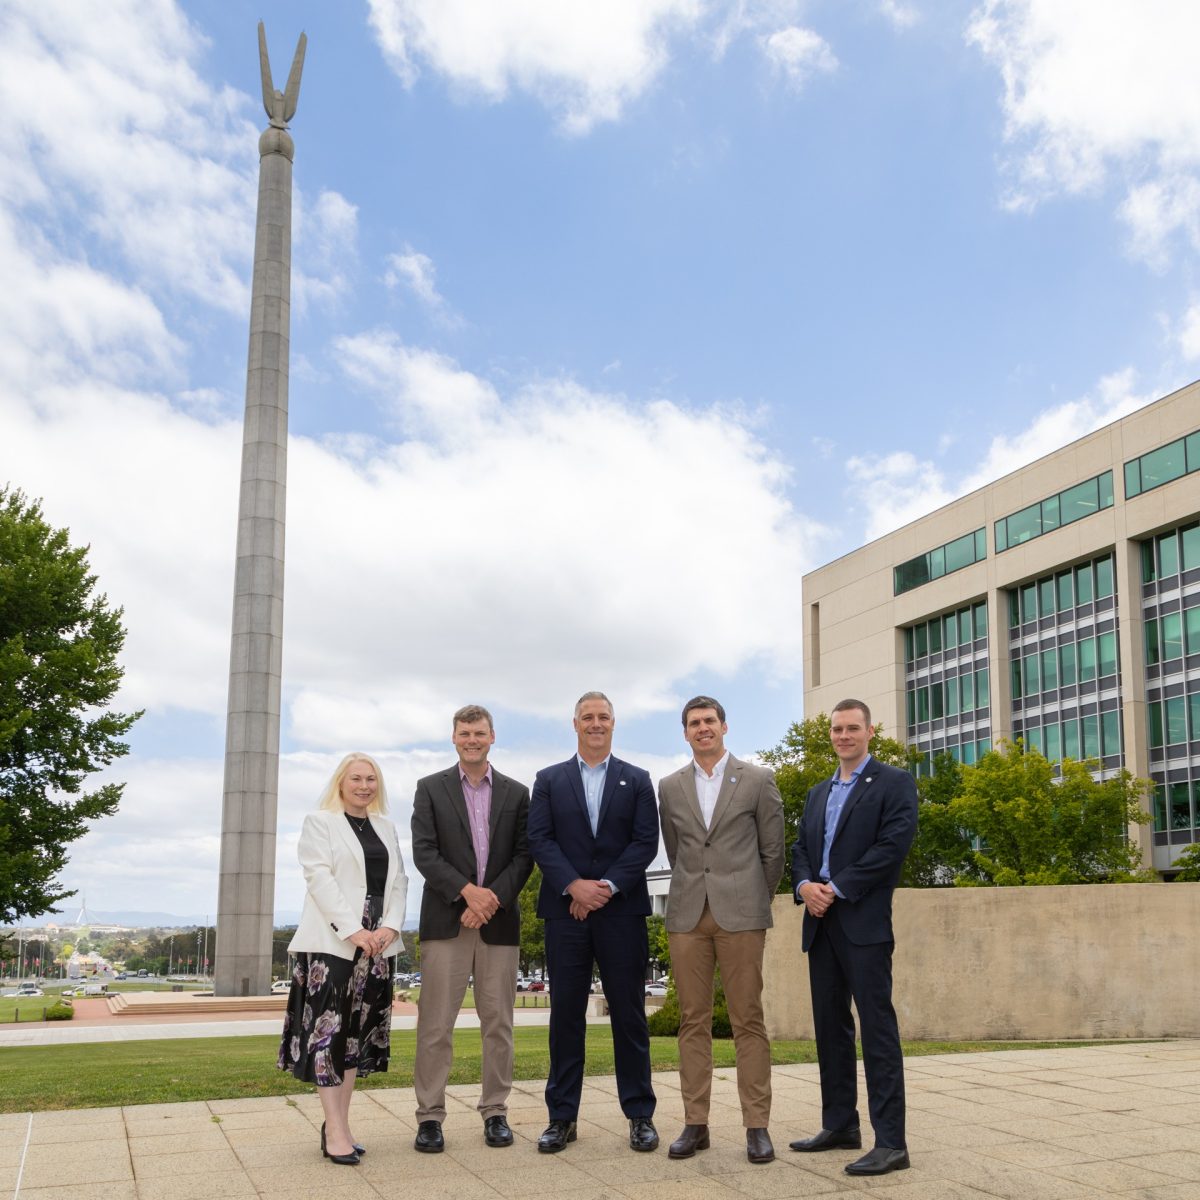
pixel 665 1022
pixel 60 1010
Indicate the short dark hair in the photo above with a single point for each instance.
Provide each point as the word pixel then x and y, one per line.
pixel 703 702
pixel 469 714
pixel 842 705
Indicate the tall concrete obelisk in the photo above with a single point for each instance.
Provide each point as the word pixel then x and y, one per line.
pixel 246 900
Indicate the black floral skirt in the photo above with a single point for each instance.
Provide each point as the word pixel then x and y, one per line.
pixel 339 1014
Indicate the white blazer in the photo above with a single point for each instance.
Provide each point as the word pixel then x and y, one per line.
pixel 335 873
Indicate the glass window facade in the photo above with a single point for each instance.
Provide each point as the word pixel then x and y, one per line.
pixel 1171 647
pixel 953 556
pixel 1064 665
pixel 947 685
pixel 1073 504
pixel 1167 463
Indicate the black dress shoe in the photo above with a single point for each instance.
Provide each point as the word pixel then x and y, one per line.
pixel 556 1136
pixel 830 1139
pixel 343 1160
pixel 693 1138
pixel 642 1134
pixel 429 1138
pixel 879 1161
pixel 758 1146
pixel 496 1132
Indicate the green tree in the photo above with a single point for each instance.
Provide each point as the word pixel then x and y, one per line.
pixel 941 853
pixel 1188 865
pixel 58 672
pixel 660 944
pixel 533 931
pixel 1036 829
pixel 803 759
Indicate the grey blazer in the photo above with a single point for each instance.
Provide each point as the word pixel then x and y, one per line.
pixel 736 864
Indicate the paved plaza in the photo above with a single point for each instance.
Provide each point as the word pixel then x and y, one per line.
pixel 1084 1122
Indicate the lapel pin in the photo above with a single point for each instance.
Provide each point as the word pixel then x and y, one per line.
pixel 867 780
pixel 733 779
pixel 621 783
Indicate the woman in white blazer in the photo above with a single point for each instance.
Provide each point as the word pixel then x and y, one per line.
pixel 339 1015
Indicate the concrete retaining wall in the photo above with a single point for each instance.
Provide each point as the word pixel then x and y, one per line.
pixel 1021 963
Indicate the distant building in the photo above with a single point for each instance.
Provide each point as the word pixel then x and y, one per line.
pixel 1060 605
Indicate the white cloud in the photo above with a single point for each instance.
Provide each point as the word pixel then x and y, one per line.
pixel 900 487
pixel 585 62
pixel 1102 90
pixel 798 54
pixel 416 271
pixel 901 15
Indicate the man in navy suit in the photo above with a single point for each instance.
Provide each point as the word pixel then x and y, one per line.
pixel 593 830
pixel 855 832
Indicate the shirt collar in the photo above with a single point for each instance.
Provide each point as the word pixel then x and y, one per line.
pixel 837 775
pixel 602 766
pixel 718 772
pixel 487 775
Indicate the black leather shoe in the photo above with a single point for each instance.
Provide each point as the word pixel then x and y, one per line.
pixel 496 1132
pixel 758 1146
pixel 343 1160
pixel 879 1161
pixel 830 1139
pixel 556 1136
pixel 642 1134
pixel 693 1138
pixel 429 1138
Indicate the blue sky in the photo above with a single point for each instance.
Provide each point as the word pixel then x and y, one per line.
pixel 609 322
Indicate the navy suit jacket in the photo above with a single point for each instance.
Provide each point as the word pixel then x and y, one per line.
pixel 623 846
pixel 873 836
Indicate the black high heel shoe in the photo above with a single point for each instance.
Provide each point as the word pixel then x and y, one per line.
pixel 344 1160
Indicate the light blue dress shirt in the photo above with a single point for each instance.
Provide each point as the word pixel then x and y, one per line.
pixel 593 787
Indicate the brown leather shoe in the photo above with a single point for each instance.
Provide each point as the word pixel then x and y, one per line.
pixel 693 1138
pixel 758 1146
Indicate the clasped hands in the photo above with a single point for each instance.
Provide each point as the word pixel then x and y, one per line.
pixel 373 941
pixel 817 897
pixel 482 905
pixel 587 895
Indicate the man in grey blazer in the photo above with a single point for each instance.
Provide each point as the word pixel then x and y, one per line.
pixel 722 824
pixel 469 842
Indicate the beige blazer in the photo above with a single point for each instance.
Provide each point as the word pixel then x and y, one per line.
pixel 335 873
pixel 736 864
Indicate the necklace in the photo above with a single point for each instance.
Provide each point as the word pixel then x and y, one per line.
pixel 360 825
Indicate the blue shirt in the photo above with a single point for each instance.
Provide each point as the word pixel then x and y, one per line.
pixel 839 793
pixel 593 787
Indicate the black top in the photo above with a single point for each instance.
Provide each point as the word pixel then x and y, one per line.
pixel 374 851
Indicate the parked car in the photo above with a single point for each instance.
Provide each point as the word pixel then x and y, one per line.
pixel 120 975
pixel 537 985
pixel 523 983
pixel 656 988
pixel 281 985
pixel 29 989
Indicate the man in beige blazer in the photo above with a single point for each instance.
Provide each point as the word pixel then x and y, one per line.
pixel 722 824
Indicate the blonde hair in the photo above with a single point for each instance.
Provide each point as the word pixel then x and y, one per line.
pixel 331 795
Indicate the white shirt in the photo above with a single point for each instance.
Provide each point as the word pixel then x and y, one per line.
pixel 708 787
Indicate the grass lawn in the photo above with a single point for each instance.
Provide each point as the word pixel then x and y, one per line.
pixel 98 1074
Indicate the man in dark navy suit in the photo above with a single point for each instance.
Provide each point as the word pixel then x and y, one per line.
pixel 593 830
pixel 855 832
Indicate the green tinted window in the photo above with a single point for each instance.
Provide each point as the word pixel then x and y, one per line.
pixel 1083 584
pixel 1193 451
pixel 1163 465
pixel 1015 669
pixel 982 747
pixel 981 688
pixel 1024 525
pixel 1049 669
pixel 1172 636
pixel 1033 738
pixel 1194 716
pixel 1031 673
pixel 1108 655
pixel 966 692
pixel 1110 733
pixel 1190 537
pixel 1168 554
pixel 1053 742
pixel 1029 602
pixel 1191 620
pixel 1079 501
pixel 1070 747
pixel 922 704
pixel 1066 664
pixel 1001 535
pixel 1152 651
pixel 1014 609
pixel 908 645
pixel 952 696
pixel 979 612
pixel 910 706
pixel 960 553
pixel 937 562
pixel 936 700
pixel 935 636
pixel 1149 567
pixel 1181 810
pixel 1087 660
pixel 1133 479
pixel 1065 583
pixel 1050 514
pixel 1176 719
pixel 964 627
pixel 1104 484
pixel 950 631
pixel 1046 607
pixel 1160 807
pixel 1091 736
pixel 1154 715
pixel 1104 578
pixel 922 636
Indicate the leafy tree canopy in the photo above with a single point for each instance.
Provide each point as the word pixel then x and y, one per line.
pixel 1036 829
pixel 1188 865
pixel 59 644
